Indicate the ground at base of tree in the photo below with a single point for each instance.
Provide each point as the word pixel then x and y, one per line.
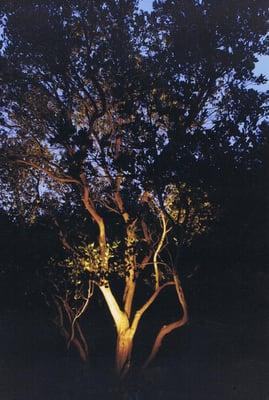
pixel 211 361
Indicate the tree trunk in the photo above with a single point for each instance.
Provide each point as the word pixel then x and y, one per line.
pixel 125 333
pixel 124 351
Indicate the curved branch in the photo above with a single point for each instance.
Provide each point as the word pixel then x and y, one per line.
pixel 166 329
pixel 148 303
pixel 118 200
pixel 82 310
pixel 81 345
pixel 88 203
pixel 159 247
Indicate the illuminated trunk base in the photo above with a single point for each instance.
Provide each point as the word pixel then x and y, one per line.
pixel 123 352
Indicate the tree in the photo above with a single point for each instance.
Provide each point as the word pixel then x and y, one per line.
pixel 113 114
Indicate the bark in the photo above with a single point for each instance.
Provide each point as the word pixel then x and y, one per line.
pixel 158 249
pixel 129 292
pixel 125 334
pixel 117 314
pixel 124 351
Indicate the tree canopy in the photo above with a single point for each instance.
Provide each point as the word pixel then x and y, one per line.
pixel 116 125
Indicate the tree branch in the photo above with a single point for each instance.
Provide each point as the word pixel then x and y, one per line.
pixel 63 238
pixel 88 203
pixel 148 303
pixel 61 179
pixel 117 314
pixel 166 329
pixel 159 247
pixel 81 311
